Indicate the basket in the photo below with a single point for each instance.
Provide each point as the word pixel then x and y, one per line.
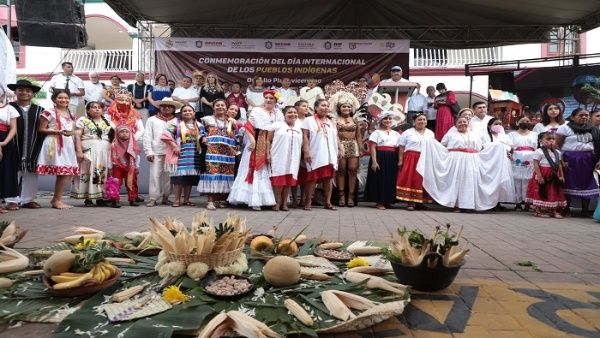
pixel 88 288
pixel 213 260
pixel 423 278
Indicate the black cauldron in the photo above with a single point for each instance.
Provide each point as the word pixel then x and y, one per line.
pixel 423 278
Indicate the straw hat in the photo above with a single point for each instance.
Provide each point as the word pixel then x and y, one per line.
pixel 168 101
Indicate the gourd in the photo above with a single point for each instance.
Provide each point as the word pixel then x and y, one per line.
pixel 59 262
pixel 282 271
pixel 261 243
pixel 287 247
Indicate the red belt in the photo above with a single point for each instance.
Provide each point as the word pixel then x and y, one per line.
pixel 386 148
pixel 524 148
pixel 3 127
pixel 464 150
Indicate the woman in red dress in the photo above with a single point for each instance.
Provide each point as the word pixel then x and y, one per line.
pixel 445 116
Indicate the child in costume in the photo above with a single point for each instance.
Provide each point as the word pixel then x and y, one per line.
pixel 124 152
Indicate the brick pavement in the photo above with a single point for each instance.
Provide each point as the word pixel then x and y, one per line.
pixel 492 297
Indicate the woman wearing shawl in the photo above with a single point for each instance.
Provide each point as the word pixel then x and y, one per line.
pixel 221 149
pixel 93 153
pixel 124 153
pixel 579 142
pixel 58 156
pixel 252 185
pixel 183 156
pixel 444 103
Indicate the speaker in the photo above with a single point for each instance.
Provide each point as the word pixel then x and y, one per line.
pixel 51 23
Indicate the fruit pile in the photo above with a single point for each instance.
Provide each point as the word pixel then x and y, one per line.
pixel 100 272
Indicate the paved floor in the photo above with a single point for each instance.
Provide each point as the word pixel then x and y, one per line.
pixel 492 297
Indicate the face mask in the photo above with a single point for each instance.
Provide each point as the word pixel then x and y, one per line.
pixel 524 125
pixel 548 144
pixel 496 129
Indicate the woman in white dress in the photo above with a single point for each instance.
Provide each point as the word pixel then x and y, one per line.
pixel 459 174
pixel 495 133
pixel 254 93
pixel 552 118
pixel 252 185
pixel 58 156
pixel 525 143
pixel 311 93
pixel 321 153
pixel 93 153
pixel 285 144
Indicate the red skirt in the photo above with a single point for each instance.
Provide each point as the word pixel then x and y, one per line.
pixel 409 183
pixel 284 181
pixel 319 174
pixel 555 195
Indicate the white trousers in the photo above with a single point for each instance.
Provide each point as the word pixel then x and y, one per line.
pixel 160 184
pixel 29 188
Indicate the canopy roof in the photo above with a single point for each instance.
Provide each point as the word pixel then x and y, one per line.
pixel 427 23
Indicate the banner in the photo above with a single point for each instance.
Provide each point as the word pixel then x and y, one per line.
pixel 242 59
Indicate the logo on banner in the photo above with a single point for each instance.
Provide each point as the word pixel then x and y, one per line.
pixel 352 45
pixel 199 44
pixel 268 44
pixel 327 45
pixel 169 43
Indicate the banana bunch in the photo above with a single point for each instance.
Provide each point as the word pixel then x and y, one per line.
pixel 99 273
pixel 103 271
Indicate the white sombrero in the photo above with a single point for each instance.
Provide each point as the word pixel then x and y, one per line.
pixel 168 101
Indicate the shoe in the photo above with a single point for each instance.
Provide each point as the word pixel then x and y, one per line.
pixel 115 204
pixel 88 203
pixel 151 203
pixel 341 199
pixel 31 205
pixel 100 202
pixel 351 203
pixel 134 203
pixel 211 206
pixel 166 201
pixel 12 207
pixel 256 208
pixel 139 200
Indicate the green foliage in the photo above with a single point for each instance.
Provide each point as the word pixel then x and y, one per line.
pixel 90 255
pixel 41 95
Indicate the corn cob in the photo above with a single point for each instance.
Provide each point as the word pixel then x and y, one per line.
pixel 353 301
pixel 11 260
pixel 250 327
pixel 87 230
pixel 371 270
pixel 336 307
pixel 365 250
pixel 314 276
pixel 128 293
pixel 298 312
pixel 374 282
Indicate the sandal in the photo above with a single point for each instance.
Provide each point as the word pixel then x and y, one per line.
pixel 88 203
pixel 151 203
pixel 380 206
pixel 166 201
pixel 222 204
pixel 3 211
pixel 189 204
pixel 285 208
pixel 175 205
pixel 211 206
pixel 539 214
pixel 275 208
pixel 350 202
pixel 12 207
pixel 330 207
pixel 411 207
pixel 558 215
pixel 341 199
pixel 307 208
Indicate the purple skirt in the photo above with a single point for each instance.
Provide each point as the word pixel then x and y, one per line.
pixel 579 174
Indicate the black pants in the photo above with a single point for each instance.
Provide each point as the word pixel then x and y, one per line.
pixel 431 125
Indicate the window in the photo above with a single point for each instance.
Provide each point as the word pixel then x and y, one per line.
pixel 562 41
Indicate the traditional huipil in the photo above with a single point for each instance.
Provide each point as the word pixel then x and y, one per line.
pixel 220 156
pixel 472 178
pixel 323 149
pixel 522 161
pixel 94 169
pixel 57 156
pixel 286 150
pixel 124 154
pixel 549 195
pixel 184 168
pixel 252 185
pixel 409 184
pixel 381 184
pixel 29 143
pixel 580 160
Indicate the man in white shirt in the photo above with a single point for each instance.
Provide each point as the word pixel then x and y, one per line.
pixel 395 77
pixel 417 103
pixel 225 86
pixel 431 110
pixel 286 91
pixel 480 121
pixel 72 83
pixel 156 150
pixel 187 94
pixel 93 89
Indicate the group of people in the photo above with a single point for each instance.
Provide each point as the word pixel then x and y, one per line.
pixel 257 149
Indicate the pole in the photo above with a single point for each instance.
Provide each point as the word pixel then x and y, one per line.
pixel 471 91
pixel 9 21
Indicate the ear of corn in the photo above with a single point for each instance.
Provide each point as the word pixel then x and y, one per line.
pixel 250 327
pixel 314 276
pixel 128 293
pixel 354 301
pixel 374 282
pixel 298 312
pixel 335 306
pixel 11 260
pixel 331 245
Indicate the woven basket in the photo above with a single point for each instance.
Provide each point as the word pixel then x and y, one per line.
pixel 212 260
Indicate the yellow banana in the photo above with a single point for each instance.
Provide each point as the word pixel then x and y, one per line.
pixel 98 273
pixel 72 274
pixel 73 283
pixel 63 279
